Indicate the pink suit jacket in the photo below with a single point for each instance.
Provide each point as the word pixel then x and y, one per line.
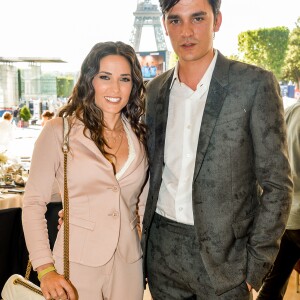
pixel 103 210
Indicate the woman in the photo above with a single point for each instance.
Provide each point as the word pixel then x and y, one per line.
pixel 107 166
pixel 46 116
pixel 6 131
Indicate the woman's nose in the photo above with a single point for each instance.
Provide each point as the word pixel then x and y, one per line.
pixel 116 85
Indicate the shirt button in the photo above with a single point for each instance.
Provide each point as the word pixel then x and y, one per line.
pixel 188 126
pixel 180 208
pixel 188 155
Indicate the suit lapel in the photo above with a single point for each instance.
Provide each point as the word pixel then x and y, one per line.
pixel 161 117
pixel 215 99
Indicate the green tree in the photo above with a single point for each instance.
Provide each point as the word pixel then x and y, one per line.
pixel 173 60
pixel 64 86
pixel 291 70
pixel 25 114
pixel 265 47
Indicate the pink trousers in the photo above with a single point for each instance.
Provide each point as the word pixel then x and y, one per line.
pixel 115 280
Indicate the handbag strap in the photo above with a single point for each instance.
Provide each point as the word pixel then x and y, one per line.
pixel 65 149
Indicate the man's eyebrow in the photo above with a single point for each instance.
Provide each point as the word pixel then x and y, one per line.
pixel 199 14
pixel 196 14
pixel 172 17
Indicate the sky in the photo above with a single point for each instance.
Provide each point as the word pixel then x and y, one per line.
pixel 68 29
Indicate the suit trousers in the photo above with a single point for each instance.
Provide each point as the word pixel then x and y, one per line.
pixel 175 269
pixel 113 281
pixel 276 282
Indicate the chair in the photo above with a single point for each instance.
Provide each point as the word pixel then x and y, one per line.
pixel 13 249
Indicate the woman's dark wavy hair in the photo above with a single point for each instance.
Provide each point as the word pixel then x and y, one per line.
pixel 166 5
pixel 81 103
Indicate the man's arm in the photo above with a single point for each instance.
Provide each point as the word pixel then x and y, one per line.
pixel 274 177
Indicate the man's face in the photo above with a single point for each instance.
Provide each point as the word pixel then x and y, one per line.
pixel 190 24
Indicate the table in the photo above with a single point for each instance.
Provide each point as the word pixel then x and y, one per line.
pixel 10 200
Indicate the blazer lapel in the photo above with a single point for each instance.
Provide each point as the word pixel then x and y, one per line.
pixel 215 99
pixel 139 152
pixel 161 117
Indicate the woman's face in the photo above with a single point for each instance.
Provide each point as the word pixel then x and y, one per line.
pixel 112 84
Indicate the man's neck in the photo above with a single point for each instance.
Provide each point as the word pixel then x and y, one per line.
pixel 191 72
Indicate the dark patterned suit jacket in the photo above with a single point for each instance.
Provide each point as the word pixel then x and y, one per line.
pixel 242 183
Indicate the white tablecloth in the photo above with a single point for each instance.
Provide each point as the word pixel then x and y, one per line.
pixel 10 200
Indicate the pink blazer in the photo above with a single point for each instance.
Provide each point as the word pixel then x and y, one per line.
pixel 103 215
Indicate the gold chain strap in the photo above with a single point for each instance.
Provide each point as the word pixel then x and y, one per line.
pixel 66 214
pixel 28 286
pixel 28 269
pixel 65 150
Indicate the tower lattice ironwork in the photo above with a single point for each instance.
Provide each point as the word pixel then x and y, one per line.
pixel 147 14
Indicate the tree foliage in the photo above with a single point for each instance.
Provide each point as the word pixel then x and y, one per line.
pixel 25 114
pixel 291 70
pixel 265 47
pixel 64 86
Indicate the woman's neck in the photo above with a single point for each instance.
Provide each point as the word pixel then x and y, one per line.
pixel 113 124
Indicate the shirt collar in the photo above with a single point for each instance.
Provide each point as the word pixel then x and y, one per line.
pixel 207 76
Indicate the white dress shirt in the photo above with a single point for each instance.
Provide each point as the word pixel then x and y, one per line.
pixel 185 113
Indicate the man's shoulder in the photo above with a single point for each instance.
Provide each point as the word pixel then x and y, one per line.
pixel 246 68
pixel 159 80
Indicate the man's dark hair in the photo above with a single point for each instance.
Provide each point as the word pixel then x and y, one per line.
pixel 166 5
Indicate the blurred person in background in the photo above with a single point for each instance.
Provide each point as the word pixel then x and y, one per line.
pixel 16 115
pixel 46 116
pixel 276 283
pixel 6 131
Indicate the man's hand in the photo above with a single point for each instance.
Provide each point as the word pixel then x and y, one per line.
pixel 249 286
pixel 61 219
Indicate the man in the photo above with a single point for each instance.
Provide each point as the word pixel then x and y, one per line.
pixel 276 283
pixel 220 184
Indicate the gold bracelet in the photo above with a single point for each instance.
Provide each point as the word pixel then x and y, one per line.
pixel 45 271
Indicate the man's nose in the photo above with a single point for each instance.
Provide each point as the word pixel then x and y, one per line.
pixel 187 30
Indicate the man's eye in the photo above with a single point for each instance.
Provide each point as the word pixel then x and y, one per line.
pixel 174 21
pixel 198 19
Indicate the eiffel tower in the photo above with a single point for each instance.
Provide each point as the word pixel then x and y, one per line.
pixel 147 14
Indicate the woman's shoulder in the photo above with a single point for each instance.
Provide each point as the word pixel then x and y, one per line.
pixel 55 123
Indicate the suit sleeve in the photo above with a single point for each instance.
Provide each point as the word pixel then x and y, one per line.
pixel 45 161
pixel 274 177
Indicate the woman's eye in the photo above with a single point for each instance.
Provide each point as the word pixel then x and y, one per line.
pixel 125 79
pixel 104 77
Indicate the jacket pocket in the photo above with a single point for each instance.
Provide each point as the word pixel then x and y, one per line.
pixel 231 117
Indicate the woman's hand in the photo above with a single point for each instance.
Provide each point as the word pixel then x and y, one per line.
pixel 55 286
